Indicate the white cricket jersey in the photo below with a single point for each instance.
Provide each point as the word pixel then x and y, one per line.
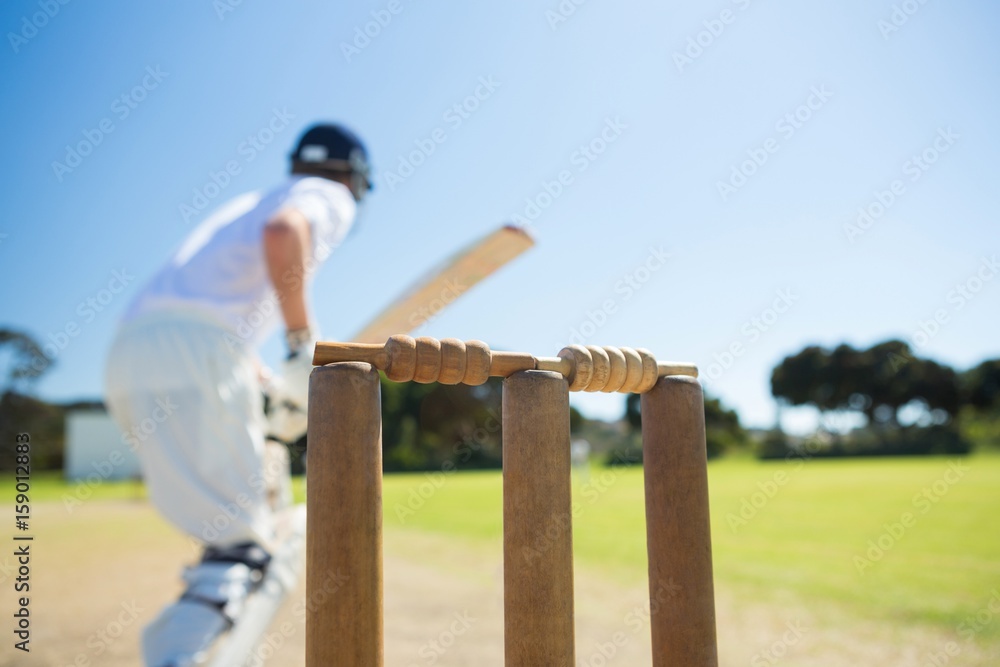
pixel 220 271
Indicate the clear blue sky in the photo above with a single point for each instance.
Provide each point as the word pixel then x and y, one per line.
pixel 880 96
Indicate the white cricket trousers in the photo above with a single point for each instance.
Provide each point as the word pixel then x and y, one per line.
pixel 203 463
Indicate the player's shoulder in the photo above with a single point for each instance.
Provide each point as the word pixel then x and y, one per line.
pixel 321 200
pixel 318 185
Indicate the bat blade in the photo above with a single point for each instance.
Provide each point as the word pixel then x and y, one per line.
pixel 445 283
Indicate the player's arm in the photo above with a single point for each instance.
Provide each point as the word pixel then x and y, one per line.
pixel 287 243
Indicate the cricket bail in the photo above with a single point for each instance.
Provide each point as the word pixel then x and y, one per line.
pixel 452 361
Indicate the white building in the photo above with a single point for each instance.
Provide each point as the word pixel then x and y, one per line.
pixel 94 446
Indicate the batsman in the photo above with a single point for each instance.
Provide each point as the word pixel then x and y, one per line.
pixel 191 337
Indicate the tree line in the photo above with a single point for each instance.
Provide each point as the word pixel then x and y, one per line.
pixel 901 403
pixel 892 400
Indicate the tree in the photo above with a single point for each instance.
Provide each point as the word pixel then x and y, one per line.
pixel 980 391
pixel 883 383
pixel 804 379
pixel 878 382
pixel 435 426
pixel 981 386
pixel 26 361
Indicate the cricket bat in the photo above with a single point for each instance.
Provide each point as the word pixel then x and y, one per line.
pixel 445 283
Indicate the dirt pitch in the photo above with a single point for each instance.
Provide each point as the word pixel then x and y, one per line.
pixel 102 571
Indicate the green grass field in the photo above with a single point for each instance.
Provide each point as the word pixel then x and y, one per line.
pixel 799 542
pixel 799 546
